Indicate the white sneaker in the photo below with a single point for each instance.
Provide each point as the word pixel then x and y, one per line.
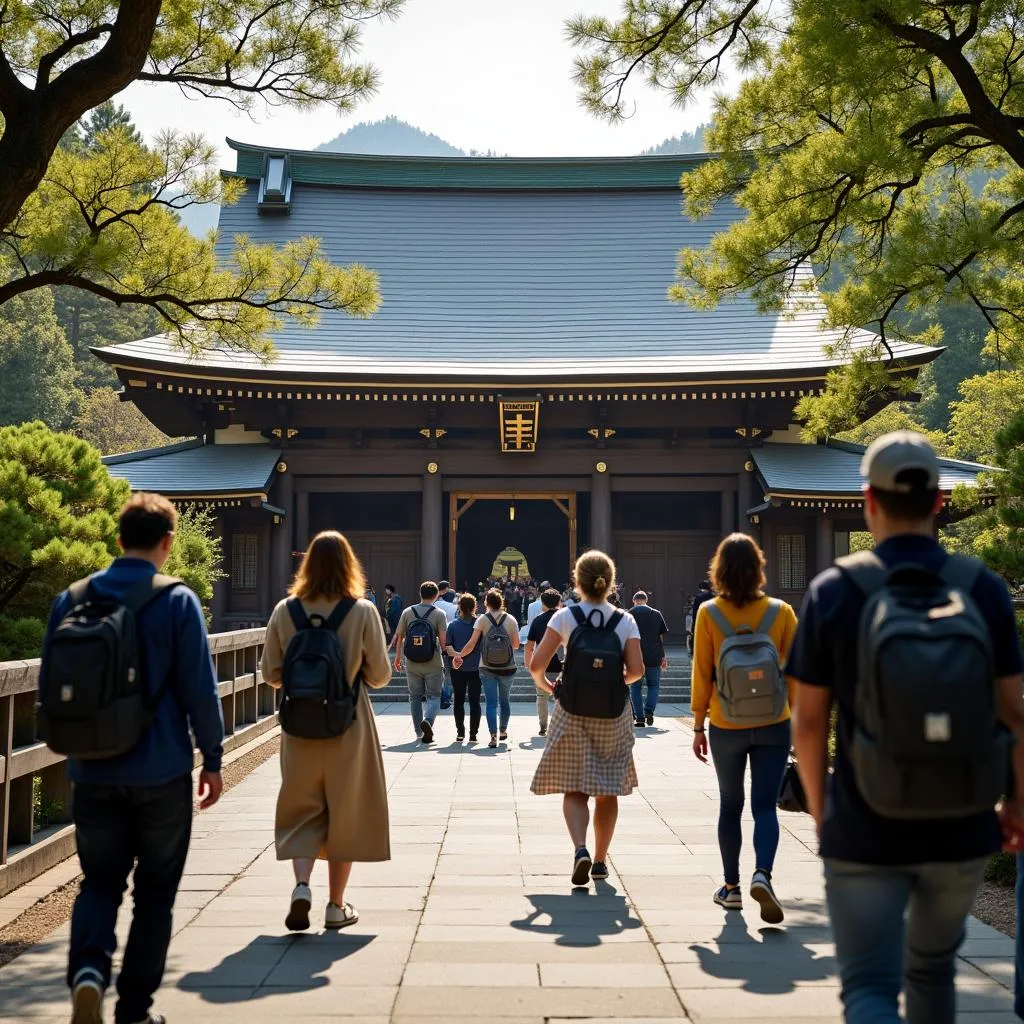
pixel 731 899
pixel 87 997
pixel 340 917
pixel 762 891
pixel 298 914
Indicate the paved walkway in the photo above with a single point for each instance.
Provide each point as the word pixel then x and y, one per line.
pixel 474 917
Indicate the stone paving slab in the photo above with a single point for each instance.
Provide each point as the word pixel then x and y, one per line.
pixel 474 917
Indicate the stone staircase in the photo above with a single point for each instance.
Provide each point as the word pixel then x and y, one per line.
pixel 675 682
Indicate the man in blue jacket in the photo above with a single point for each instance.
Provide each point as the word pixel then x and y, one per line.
pixel 135 810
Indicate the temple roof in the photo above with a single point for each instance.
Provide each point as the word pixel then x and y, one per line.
pixel 833 470
pixel 509 272
pixel 190 469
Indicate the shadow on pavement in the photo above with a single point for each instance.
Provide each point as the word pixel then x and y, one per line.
pixel 770 967
pixel 580 917
pixel 302 967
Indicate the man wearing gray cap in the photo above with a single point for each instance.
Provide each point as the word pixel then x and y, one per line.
pixel 918 650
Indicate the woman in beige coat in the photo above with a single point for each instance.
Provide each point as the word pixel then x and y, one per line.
pixel 333 803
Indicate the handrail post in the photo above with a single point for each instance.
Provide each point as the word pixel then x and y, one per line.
pixel 7 741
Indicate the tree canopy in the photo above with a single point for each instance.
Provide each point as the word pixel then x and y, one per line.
pixel 97 213
pixel 113 426
pixel 881 136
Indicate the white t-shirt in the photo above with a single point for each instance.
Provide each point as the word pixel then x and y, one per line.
pixel 449 609
pixel 563 622
pixel 533 610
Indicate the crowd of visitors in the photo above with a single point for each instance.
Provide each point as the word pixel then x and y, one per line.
pixel 911 652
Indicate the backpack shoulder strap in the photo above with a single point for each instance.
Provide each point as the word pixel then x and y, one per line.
pixel 613 622
pixel 297 612
pixel 867 571
pixel 718 618
pixel 961 571
pixel 79 591
pixel 577 613
pixel 416 614
pixel 148 590
pixel 770 615
pixel 490 619
pixel 501 621
pixel 337 616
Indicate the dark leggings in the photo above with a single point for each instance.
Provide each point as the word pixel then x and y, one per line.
pixel 461 682
pixel 767 748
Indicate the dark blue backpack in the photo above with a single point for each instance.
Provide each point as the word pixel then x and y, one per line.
pixel 420 638
pixel 318 701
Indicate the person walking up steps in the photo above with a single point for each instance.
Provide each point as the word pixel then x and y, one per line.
pixel 421 638
pixel 909 821
pixel 551 600
pixel 465 679
pixel 323 644
pixel 132 802
pixel 589 750
pixel 496 635
pixel 653 628
pixel 741 640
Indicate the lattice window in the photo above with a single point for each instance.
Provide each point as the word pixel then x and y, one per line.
pixel 244 559
pixel 791 561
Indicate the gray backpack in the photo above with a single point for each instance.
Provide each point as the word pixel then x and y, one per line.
pixel 926 736
pixel 497 655
pixel 751 687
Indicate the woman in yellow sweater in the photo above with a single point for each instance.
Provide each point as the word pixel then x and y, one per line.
pixel 738 580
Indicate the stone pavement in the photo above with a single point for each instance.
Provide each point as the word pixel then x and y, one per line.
pixel 474 918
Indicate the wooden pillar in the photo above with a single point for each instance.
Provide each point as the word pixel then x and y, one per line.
pixel 302 537
pixel 601 511
pixel 728 512
pixel 433 526
pixel 826 543
pixel 746 499
pixel 281 538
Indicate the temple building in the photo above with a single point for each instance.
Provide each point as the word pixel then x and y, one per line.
pixel 526 385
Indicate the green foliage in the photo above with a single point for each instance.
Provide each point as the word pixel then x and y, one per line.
pixel 98 212
pixel 988 404
pixel 58 509
pixel 881 138
pixel 114 426
pixel 899 416
pixel 37 373
pixel 1003 550
pixel 196 554
pixel 1001 869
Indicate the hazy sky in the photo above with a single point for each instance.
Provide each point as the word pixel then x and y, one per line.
pixel 482 74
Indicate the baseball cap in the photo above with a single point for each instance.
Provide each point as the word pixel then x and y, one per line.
pixel 892 455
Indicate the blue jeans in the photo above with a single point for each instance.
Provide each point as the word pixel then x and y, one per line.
pixel 1018 974
pixel 767 749
pixel 497 688
pixel 878 950
pixel 425 684
pixel 118 828
pixel 652 677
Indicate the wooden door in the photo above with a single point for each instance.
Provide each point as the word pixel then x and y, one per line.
pixel 390 558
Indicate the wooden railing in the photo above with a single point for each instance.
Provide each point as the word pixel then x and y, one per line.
pixel 35 798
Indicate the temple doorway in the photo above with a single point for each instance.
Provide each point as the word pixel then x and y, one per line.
pixel 511 536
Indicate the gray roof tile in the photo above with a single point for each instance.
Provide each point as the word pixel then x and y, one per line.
pixel 192 468
pixel 834 469
pixel 514 286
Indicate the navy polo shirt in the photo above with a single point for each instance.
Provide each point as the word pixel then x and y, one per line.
pixel 824 653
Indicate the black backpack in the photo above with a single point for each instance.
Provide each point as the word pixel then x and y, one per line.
pixel 497 655
pixel 93 703
pixel 420 638
pixel 592 678
pixel 318 702
pixel 926 736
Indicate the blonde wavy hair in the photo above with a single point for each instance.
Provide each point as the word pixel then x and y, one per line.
pixel 329 570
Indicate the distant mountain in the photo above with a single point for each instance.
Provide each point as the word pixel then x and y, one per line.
pixel 688 142
pixel 200 219
pixel 390 137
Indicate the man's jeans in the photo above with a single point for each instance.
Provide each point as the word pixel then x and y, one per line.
pixel 497 689
pixel 652 677
pixel 425 683
pixel 118 827
pixel 878 951
pixel 1018 974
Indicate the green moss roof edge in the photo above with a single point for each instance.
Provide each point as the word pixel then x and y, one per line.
pixel 415 172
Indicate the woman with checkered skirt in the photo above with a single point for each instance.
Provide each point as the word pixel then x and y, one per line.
pixel 589 757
